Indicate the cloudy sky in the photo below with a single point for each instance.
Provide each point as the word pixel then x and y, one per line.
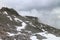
pixel 48 11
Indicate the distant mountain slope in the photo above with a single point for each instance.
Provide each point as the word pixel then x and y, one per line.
pixel 16 27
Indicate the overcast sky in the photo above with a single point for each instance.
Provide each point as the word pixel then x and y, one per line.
pixel 48 11
pixel 31 4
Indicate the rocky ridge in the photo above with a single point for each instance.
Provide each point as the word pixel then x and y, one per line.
pixel 16 27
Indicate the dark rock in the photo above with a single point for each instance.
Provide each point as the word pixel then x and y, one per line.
pixel 7 25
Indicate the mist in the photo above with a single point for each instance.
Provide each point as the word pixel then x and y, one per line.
pixel 50 17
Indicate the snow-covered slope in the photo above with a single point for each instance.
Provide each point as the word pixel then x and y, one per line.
pixel 16 27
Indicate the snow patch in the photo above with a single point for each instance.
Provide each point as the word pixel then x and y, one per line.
pixel 49 36
pixel 10 18
pixel 27 21
pixel 32 24
pixel 41 25
pixel 5 13
pixel 17 19
pixel 0 39
pixel 21 27
pixel 42 29
pixel 12 34
pixel 14 39
pixel 33 38
pixel 8 25
pixel 28 31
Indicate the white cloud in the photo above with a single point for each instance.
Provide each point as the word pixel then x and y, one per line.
pixel 31 4
pixel 50 17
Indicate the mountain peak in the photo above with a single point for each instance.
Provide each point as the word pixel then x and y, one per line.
pixel 14 26
pixel 10 11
